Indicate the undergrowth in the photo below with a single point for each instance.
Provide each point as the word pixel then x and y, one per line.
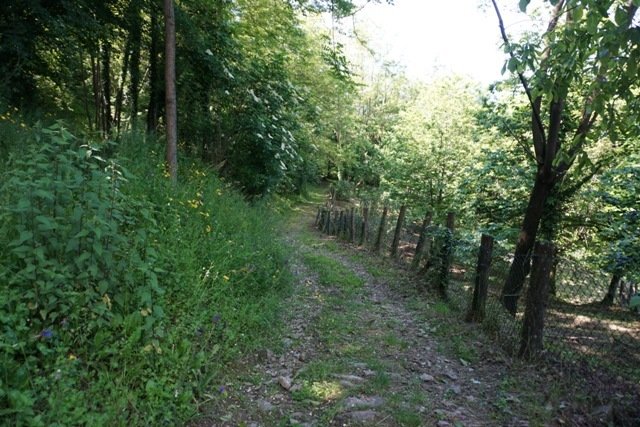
pixel 121 297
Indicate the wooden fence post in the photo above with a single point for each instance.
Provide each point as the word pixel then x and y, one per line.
pixel 445 256
pixel 383 221
pixel 320 222
pixel 477 309
pixel 365 226
pixel 352 226
pixel 531 344
pixel 339 228
pixel 327 222
pixel 417 256
pixel 396 234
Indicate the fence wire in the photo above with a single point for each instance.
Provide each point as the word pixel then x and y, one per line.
pixel 578 327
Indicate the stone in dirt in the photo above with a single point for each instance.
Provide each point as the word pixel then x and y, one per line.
pixel 451 375
pixel 426 377
pixel 456 389
pixel 265 406
pixel 284 382
pixel 364 402
pixel 363 415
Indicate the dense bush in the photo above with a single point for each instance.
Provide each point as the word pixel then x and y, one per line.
pixel 122 297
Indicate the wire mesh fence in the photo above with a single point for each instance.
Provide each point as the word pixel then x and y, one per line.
pixel 586 322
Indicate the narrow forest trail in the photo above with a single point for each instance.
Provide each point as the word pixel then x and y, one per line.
pixel 362 347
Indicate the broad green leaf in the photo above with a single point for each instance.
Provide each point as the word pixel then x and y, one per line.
pixel 621 17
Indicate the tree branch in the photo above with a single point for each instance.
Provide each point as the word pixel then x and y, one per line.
pixel 538 128
pixel 553 140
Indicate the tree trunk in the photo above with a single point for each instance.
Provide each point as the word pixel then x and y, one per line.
pixel 521 263
pixel 97 92
pixel 170 89
pixel 106 89
pixel 531 343
pixel 396 234
pixel 607 301
pixel 134 86
pixel 123 79
pixel 481 286
pixel 86 94
pixel 155 94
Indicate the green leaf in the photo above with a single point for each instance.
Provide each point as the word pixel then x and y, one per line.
pixel 24 236
pixel 621 17
pixel 577 13
pixel 523 5
pixel 592 23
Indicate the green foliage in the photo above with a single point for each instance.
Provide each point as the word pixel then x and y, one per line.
pixel 116 291
pixel 618 218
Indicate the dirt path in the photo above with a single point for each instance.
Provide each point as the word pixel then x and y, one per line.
pixel 362 347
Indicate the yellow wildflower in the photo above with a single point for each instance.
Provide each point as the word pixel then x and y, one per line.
pixel 107 301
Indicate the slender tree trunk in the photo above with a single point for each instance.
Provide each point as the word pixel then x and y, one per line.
pixel 155 94
pixel 97 92
pixel 123 80
pixel 85 88
pixel 531 343
pixel 607 301
pixel 170 89
pixel 106 89
pixel 134 72
pixel 521 264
